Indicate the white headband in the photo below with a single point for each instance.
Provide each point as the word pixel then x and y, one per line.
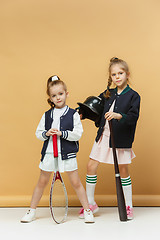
pixel 54 78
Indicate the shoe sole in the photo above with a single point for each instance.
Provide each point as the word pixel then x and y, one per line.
pixel 89 222
pixel 23 221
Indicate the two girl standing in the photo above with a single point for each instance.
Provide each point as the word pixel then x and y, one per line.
pixel 121 106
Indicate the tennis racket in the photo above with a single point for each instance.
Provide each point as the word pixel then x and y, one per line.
pixel 58 193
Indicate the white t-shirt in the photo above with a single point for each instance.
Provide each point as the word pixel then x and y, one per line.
pixel 57 113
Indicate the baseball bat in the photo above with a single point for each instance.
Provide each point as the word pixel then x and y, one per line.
pixel 120 195
pixel 55 148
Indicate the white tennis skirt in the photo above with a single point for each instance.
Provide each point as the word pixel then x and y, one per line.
pixel 51 164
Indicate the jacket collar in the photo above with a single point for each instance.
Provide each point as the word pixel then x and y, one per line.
pixel 65 112
pixel 124 91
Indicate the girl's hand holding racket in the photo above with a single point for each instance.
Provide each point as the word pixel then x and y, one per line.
pixel 110 115
pixel 53 131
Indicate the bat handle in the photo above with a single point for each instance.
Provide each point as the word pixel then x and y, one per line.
pixel 55 147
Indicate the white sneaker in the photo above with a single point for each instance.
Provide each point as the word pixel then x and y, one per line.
pixel 29 216
pixel 88 216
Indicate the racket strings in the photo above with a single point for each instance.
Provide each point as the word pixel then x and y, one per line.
pixel 58 201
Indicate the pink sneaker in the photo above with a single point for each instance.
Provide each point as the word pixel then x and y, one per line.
pixel 81 213
pixel 94 209
pixel 129 213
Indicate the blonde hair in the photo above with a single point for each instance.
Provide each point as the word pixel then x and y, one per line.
pixel 51 83
pixel 114 61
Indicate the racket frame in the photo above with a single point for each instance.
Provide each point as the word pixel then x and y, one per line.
pixel 57 176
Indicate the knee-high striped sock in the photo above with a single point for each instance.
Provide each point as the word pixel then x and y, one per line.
pixel 91 181
pixel 127 189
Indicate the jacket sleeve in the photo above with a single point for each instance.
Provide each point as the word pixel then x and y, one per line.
pixel 101 95
pixel 97 124
pixel 77 131
pixel 131 117
pixel 40 131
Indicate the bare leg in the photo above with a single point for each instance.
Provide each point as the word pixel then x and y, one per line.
pixel 123 168
pixel 78 187
pixel 92 167
pixel 38 191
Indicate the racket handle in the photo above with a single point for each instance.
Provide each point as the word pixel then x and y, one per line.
pixel 55 148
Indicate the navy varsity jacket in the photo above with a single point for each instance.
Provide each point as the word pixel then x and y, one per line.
pixel 127 104
pixel 68 148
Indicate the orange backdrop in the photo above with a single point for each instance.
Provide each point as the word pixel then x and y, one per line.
pixel 75 40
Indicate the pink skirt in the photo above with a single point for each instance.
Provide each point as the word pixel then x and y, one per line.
pixel 103 153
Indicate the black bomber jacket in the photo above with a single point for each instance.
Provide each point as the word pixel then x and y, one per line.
pixel 128 105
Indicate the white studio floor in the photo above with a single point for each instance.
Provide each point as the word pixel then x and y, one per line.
pixel 145 225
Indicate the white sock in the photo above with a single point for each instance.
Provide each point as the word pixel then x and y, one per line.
pixel 91 181
pixel 127 190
